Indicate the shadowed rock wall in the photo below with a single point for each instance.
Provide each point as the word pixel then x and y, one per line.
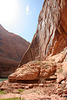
pixel 12 48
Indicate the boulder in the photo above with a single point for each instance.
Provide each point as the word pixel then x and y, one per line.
pixel 33 70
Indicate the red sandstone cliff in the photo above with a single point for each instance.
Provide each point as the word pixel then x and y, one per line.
pixel 49 39
pixel 51 33
pixel 12 48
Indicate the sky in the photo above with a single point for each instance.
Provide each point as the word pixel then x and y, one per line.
pixel 20 16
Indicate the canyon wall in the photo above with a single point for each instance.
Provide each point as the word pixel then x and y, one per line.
pixel 49 46
pixel 51 33
pixel 12 48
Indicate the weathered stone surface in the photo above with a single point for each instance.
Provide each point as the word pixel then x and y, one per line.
pixel 50 39
pixel 53 77
pixel 46 91
pixel 60 91
pixel 65 91
pixel 26 72
pixel 51 33
pixel 33 70
pixel 31 85
pixel 12 48
pixel 58 58
pixel 64 67
pixel 60 77
pixel 41 85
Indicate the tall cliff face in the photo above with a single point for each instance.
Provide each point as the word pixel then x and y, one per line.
pixel 11 48
pixel 51 33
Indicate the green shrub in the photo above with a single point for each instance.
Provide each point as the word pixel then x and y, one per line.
pixel 15 98
pixel 21 90
pixel 46 66
pixel 2 92
pixel 60 70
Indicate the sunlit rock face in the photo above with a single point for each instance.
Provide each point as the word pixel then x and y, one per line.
pixel 12 48
pixel 51 33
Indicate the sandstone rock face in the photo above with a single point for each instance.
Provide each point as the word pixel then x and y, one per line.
pixel 12 48
pixel 51 72
pixel 34 70
pixel 49 45
pixel 29 91
pixel 51 33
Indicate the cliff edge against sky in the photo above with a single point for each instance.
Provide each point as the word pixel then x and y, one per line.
pixel 51 33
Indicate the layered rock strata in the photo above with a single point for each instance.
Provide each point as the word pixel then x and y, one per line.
pixel 48 73
pixel 34 70
pixel 48 50
pixel 12 48
pixel 39 70
pixel 51 33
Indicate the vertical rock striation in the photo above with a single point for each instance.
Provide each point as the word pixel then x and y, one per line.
pixel 51 33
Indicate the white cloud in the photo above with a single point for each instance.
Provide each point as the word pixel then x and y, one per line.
pixel 27 12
